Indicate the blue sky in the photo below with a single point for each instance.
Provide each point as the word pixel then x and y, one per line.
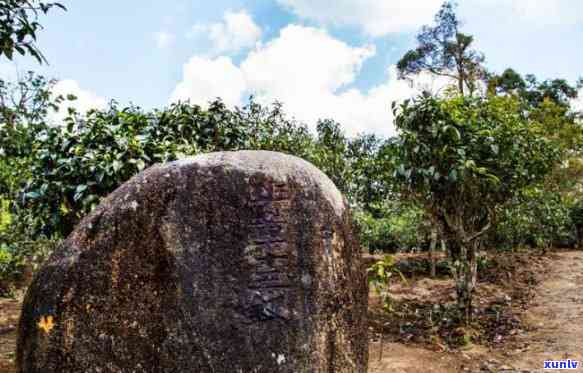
pixel 321 58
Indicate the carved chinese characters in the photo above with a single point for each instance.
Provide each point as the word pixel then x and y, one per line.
pixel 225 262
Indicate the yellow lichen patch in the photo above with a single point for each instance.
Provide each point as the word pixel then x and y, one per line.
pixel 46 323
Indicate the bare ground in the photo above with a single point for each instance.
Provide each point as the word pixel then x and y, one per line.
pixel 9 314
pixel 555 319
pixel 551 326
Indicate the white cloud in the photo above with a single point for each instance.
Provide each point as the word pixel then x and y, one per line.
pixel 204 79
pixel 85 101
pixel 535 12
pixel 236 32
pixel 303 61
pixel 310 72
pixel 381 17
pixel 375 17
pixel 164 39
pixel 8 71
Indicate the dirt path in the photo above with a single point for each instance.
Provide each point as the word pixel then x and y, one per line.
pixel 408 359
pixel 554 331
pixel 555 317
pixel 9 314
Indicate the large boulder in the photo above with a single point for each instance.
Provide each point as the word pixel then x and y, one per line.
pixel 225 262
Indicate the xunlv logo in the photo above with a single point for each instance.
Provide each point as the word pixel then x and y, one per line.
pixel 561 364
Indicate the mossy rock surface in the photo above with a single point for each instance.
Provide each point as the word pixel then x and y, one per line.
pixel 225 262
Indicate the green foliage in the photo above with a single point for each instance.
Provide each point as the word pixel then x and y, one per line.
pixel 536 217
pixel 576 213
pixel 539 215
pixel 379 276
pixel 17 252
pixel 370 173
pixel 19 26
pixel 395 229
pixel 463 158
pixel 330 153
pixel 5 217
pixel 26 102
pixel 470 153
pixel 23 107
pixel 532 91
pixel 358 166
pixel 74 165
pixel 55 175
pixel 11 266
pixel 52 176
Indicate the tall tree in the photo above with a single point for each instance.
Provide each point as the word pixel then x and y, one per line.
pixel 444 51
pixel 462 159
pixel 19 26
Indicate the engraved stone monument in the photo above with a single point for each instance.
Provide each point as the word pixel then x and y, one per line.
pixel 233 262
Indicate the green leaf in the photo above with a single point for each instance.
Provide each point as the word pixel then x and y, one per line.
pixel 117 165
pixel 140 164
pixel 454 132
pixel 493 178
pixel 401 169
pixel 32 195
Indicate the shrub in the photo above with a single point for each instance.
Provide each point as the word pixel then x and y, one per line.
pixel 11 268
pixel 20 257
pixel 397 229
pixel 536 218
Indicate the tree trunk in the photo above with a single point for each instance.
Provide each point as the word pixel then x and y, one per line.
pixel 461 74
pixel 461 85
pixel 579 229
pixel 432 249
pixel 465 273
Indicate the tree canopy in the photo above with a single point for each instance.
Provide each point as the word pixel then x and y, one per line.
pixel 531 90
pixel 19 26
pixel 445 51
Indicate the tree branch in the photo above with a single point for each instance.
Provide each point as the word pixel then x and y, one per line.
pixel 483 230
pixel 476 235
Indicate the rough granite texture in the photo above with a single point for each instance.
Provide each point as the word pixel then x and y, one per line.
pixel 233 262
